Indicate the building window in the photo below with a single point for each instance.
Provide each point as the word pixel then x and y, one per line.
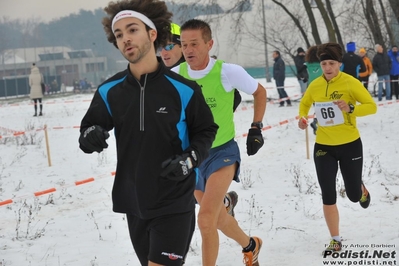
pixel 94 67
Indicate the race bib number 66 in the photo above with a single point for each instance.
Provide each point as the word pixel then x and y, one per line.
pixel 328 114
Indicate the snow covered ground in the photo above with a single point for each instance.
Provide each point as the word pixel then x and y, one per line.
pixel 279 198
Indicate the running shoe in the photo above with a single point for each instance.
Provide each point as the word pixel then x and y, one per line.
pixel 232 199
pixel 365 199
pixel 251 257
pixel 334 246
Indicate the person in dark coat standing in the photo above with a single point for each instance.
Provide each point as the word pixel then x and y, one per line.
pixel 279 77
pixel 302 73
pixel 382 66
pixel 352 64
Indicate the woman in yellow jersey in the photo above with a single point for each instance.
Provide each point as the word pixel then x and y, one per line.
pixel 338 99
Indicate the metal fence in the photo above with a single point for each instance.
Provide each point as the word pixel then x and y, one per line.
pixel 18 86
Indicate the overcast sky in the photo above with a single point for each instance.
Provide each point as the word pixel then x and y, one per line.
pixel 46 10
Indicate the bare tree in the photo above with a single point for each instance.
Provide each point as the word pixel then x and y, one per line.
pixel 387 26
pixel 373 21
pixel 327 21
pixel 334 22
pixel 240 26
pixel 295 20
pixel 395 9
pixel 312 21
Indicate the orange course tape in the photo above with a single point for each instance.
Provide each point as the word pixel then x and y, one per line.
pixel 91 179
pixel 5 202
pixel 51 190
pixel 39 193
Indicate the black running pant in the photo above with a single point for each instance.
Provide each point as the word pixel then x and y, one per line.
pixel 349 158
pixel 164 240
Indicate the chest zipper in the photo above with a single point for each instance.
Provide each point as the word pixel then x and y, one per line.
pixel 328 84
pixel 142 90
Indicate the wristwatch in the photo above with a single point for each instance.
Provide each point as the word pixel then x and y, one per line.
pixel 259 125
pixel 351 108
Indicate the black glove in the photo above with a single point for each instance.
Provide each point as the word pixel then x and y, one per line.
pixel 254 141
pixel 179 167
pixel 93 139
pixel 305 80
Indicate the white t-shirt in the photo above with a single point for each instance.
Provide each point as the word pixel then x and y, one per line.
pixel 233 76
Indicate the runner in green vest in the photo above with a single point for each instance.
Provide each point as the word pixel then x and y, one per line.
pixel 218 81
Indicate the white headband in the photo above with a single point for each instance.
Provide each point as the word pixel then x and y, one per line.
pixel 132 14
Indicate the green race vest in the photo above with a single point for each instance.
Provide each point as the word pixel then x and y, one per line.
pixel 219 101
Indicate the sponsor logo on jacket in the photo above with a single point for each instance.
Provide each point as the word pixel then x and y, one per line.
pixel 335 95
pixel 162 110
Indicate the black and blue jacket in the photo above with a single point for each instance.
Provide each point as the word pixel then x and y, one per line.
pixel 352 64
pixel 154 118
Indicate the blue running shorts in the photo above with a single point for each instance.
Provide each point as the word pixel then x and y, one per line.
pixel 224 155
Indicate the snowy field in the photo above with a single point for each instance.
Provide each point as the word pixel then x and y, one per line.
pixel 72 223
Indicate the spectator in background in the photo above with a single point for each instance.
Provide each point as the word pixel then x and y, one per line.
pixel 382 66
pixel 352 64
pixel 76 86
pixel 36 92
pixel 47 88
pixel 312 63
pixel 364 76
pixel 394 74
pixel 83 85
pixel 54 86
pixel 279 77
pixel 63 88
pixel 89 86
pixel 302 73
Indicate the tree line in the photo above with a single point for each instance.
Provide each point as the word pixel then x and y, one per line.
pixel 82 30
pixel 278 24
pixel 290 24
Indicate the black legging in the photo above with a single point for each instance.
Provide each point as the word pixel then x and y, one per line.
pixel 349 158
pixel 35 104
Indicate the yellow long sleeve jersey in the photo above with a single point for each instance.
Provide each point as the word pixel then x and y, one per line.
pixel 336 127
